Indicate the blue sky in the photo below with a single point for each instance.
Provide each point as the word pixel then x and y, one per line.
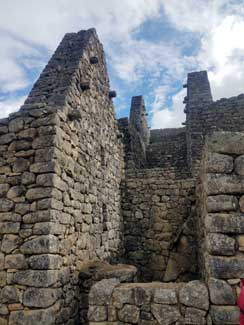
pixel 150 46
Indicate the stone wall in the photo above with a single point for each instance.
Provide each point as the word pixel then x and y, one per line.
pixel 158 214
pixel 221 228
pixel 203 116
pixel 135 134
pixel 168 147
pixel 60 171
pixel 149 303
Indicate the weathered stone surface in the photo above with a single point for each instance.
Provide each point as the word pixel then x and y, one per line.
pixel 165 296
pixel 239 165
pixel 40 298
pixel 6 205
pixel 129 314
pixel 45 167
pixel 10 242
pixel 101 292
pixel 28 178
pixel 222 203
pixel 225 267
pixel 10 295
pixel 219 244
pixel 143 295
pixel 36 217
pixel 219 163
pixel 3 278
pixel 10 216
pixel 223 315
pixel 38 193
pixel 7 138
pixel 222 142
pixel 45 262
pixel 15 191
pixel 4 189
pixel 9 227
pixel 194 294
pixel 224 184
pixel 220 292
pixel 15 261
pixel 97 313
pixel 36 278
pixel 41 245
pixel 30 317
pixel 21 165
pixel 165 314
pixel 195 316
pixel 123 272
pixel 123 295
pixel 225 223
pixel 51 180
pixel 16 125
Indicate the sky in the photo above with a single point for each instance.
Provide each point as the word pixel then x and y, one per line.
pixel 150 47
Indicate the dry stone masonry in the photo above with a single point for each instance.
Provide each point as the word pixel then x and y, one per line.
pixel 90 205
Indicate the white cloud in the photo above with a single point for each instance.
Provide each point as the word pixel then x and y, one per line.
pixel 167 117
pixel 10 105
pixel 28 27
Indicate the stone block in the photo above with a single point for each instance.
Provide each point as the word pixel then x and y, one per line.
pixel 224 184
pixel 21 165
pixel 195 316
pixel 165 314
pixel 239 165
pixel 123 295
pixel 15 191
pixel 9 227
pixel 39 193
pixel 33 278
pixel 6 205
pixel 224 315
pixel 219 163
pixel 10 216
pixel 219 244
pixel 220 292
pixel 143 295
pixel 28 178
pixel 225 267
pixel 3 278
pixel 165 296
pixel 44 167
pixel 220 203
pixel 30 317
pixel 40 298
pixel 194 294
pixel 4 189
pixel 225 223
pixel 101 292
pixel 10 295
pixel 97 313
pixel 16 125
pixel 15 261
pixel 45 262
pixel 7 138
pixel 45 228
pixel 10 243
pixel 41 245
pixel 226 142
pixel 129 314
pixel 38 216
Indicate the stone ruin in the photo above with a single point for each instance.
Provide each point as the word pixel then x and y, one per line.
pixel 106 222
